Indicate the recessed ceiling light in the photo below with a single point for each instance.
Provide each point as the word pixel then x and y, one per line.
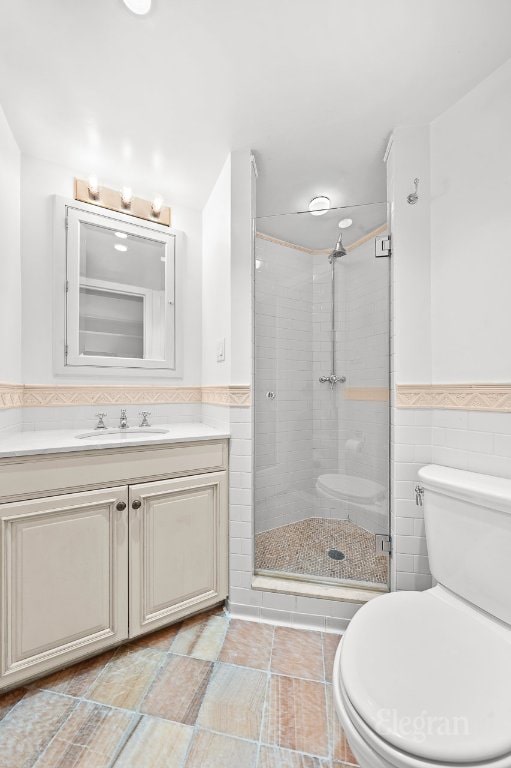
pixel 319 205
pixel 119 247
pixel 122 235
pixel 138 6
pixel 345 223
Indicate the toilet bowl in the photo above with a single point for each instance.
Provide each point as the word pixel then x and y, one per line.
pixel 341 487
pixel 422 679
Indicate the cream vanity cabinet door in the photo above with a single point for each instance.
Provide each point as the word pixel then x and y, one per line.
pixel 178 548
pixel 64 579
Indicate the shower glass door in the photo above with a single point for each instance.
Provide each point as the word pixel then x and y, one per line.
pixel 322 397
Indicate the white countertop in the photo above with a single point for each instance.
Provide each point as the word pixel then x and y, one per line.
pixel 65 440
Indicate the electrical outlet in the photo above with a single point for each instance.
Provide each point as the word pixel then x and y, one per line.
pixel 220 350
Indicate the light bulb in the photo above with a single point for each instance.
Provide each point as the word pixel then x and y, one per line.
pixel 121 235
pixel 345 223
pixel 126 197
pixel 156 205
pixel 119 247
pixel 93 187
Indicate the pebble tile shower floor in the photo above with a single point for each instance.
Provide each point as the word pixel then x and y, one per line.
pixel 303 547
pixel 206 693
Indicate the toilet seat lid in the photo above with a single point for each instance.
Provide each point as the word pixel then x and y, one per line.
pixel 430 676
pixel 351 487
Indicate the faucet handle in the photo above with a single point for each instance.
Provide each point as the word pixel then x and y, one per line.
pixel 101 424
pixel 144 422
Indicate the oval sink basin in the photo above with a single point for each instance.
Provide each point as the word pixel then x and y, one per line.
pixel 128 432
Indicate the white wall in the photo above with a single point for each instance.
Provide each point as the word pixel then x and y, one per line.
pixel 216 280
pixel 242 213
pixel 466 271
pixel 39 182
pixel 471 235
pixel 410 362
pixel 227 269
pixel 410 227
pixel 10 258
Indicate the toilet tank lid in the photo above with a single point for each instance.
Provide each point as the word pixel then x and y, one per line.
pixel 494 492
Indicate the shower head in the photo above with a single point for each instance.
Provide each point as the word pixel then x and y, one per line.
pixel 338 251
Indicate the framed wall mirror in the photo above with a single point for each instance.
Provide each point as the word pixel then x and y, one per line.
pixel 120 308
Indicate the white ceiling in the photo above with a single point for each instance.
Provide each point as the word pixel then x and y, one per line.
pixel 313 86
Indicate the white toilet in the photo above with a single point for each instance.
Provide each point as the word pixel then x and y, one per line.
pixel 423 679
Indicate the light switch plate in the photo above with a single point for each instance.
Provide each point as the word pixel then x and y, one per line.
pixel 220 350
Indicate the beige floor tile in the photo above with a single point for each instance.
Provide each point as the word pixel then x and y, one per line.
pixel 330 645
pixel 201 636
pixel 178 690
pixel 298 653
pixel 248 644
pixel 213 750
pixel 340 749
pixel 91 737
pixel 159 641
pixel 273 757
pixel 28 728
pixel 9 699
pixel 125 680
pixel 77 679
pixel 234 701
pixel 156 744
pixel 295 716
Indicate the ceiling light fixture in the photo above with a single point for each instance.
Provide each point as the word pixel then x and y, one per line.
pixel 345 223
pixel 122 235
pixel 119 247
pixel 126 197
pixel 319 205
pixel 140 7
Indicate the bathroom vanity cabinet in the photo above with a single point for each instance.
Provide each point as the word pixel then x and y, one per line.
pixel 105 545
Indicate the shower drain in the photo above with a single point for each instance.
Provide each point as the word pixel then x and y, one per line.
pixel 336 554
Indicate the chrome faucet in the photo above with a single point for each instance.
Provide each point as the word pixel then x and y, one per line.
pixel 144 422
pixel 123 421
pixel 101 423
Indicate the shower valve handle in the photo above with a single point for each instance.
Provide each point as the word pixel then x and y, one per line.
pixel 332 380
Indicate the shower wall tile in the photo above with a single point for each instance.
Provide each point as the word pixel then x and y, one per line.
pixel 283 358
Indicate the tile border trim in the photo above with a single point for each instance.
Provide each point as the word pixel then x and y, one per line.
pixel 372 394
pixel 36 396
pixel 466 397
pixel 382 228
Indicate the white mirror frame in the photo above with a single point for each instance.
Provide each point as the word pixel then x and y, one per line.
pixel 68 362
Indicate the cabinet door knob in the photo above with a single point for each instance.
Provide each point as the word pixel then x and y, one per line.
pixel 121 506
pixel 136 504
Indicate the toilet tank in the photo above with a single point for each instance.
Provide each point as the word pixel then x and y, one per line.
pixel 468 532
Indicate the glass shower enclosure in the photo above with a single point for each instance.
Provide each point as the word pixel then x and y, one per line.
pixel 321 392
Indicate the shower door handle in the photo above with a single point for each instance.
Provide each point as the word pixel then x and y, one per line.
pixel 270 395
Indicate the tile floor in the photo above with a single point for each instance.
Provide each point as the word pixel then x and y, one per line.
pixel 206 693
pixel 303 547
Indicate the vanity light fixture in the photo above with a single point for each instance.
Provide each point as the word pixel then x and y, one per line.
pixel 119 247
pixel 121 235
pixel 319 205
pixel 123 201
pixel 156 205
pixel 93 187
pixel 126 197
pixel 140 7
pixel 345 223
